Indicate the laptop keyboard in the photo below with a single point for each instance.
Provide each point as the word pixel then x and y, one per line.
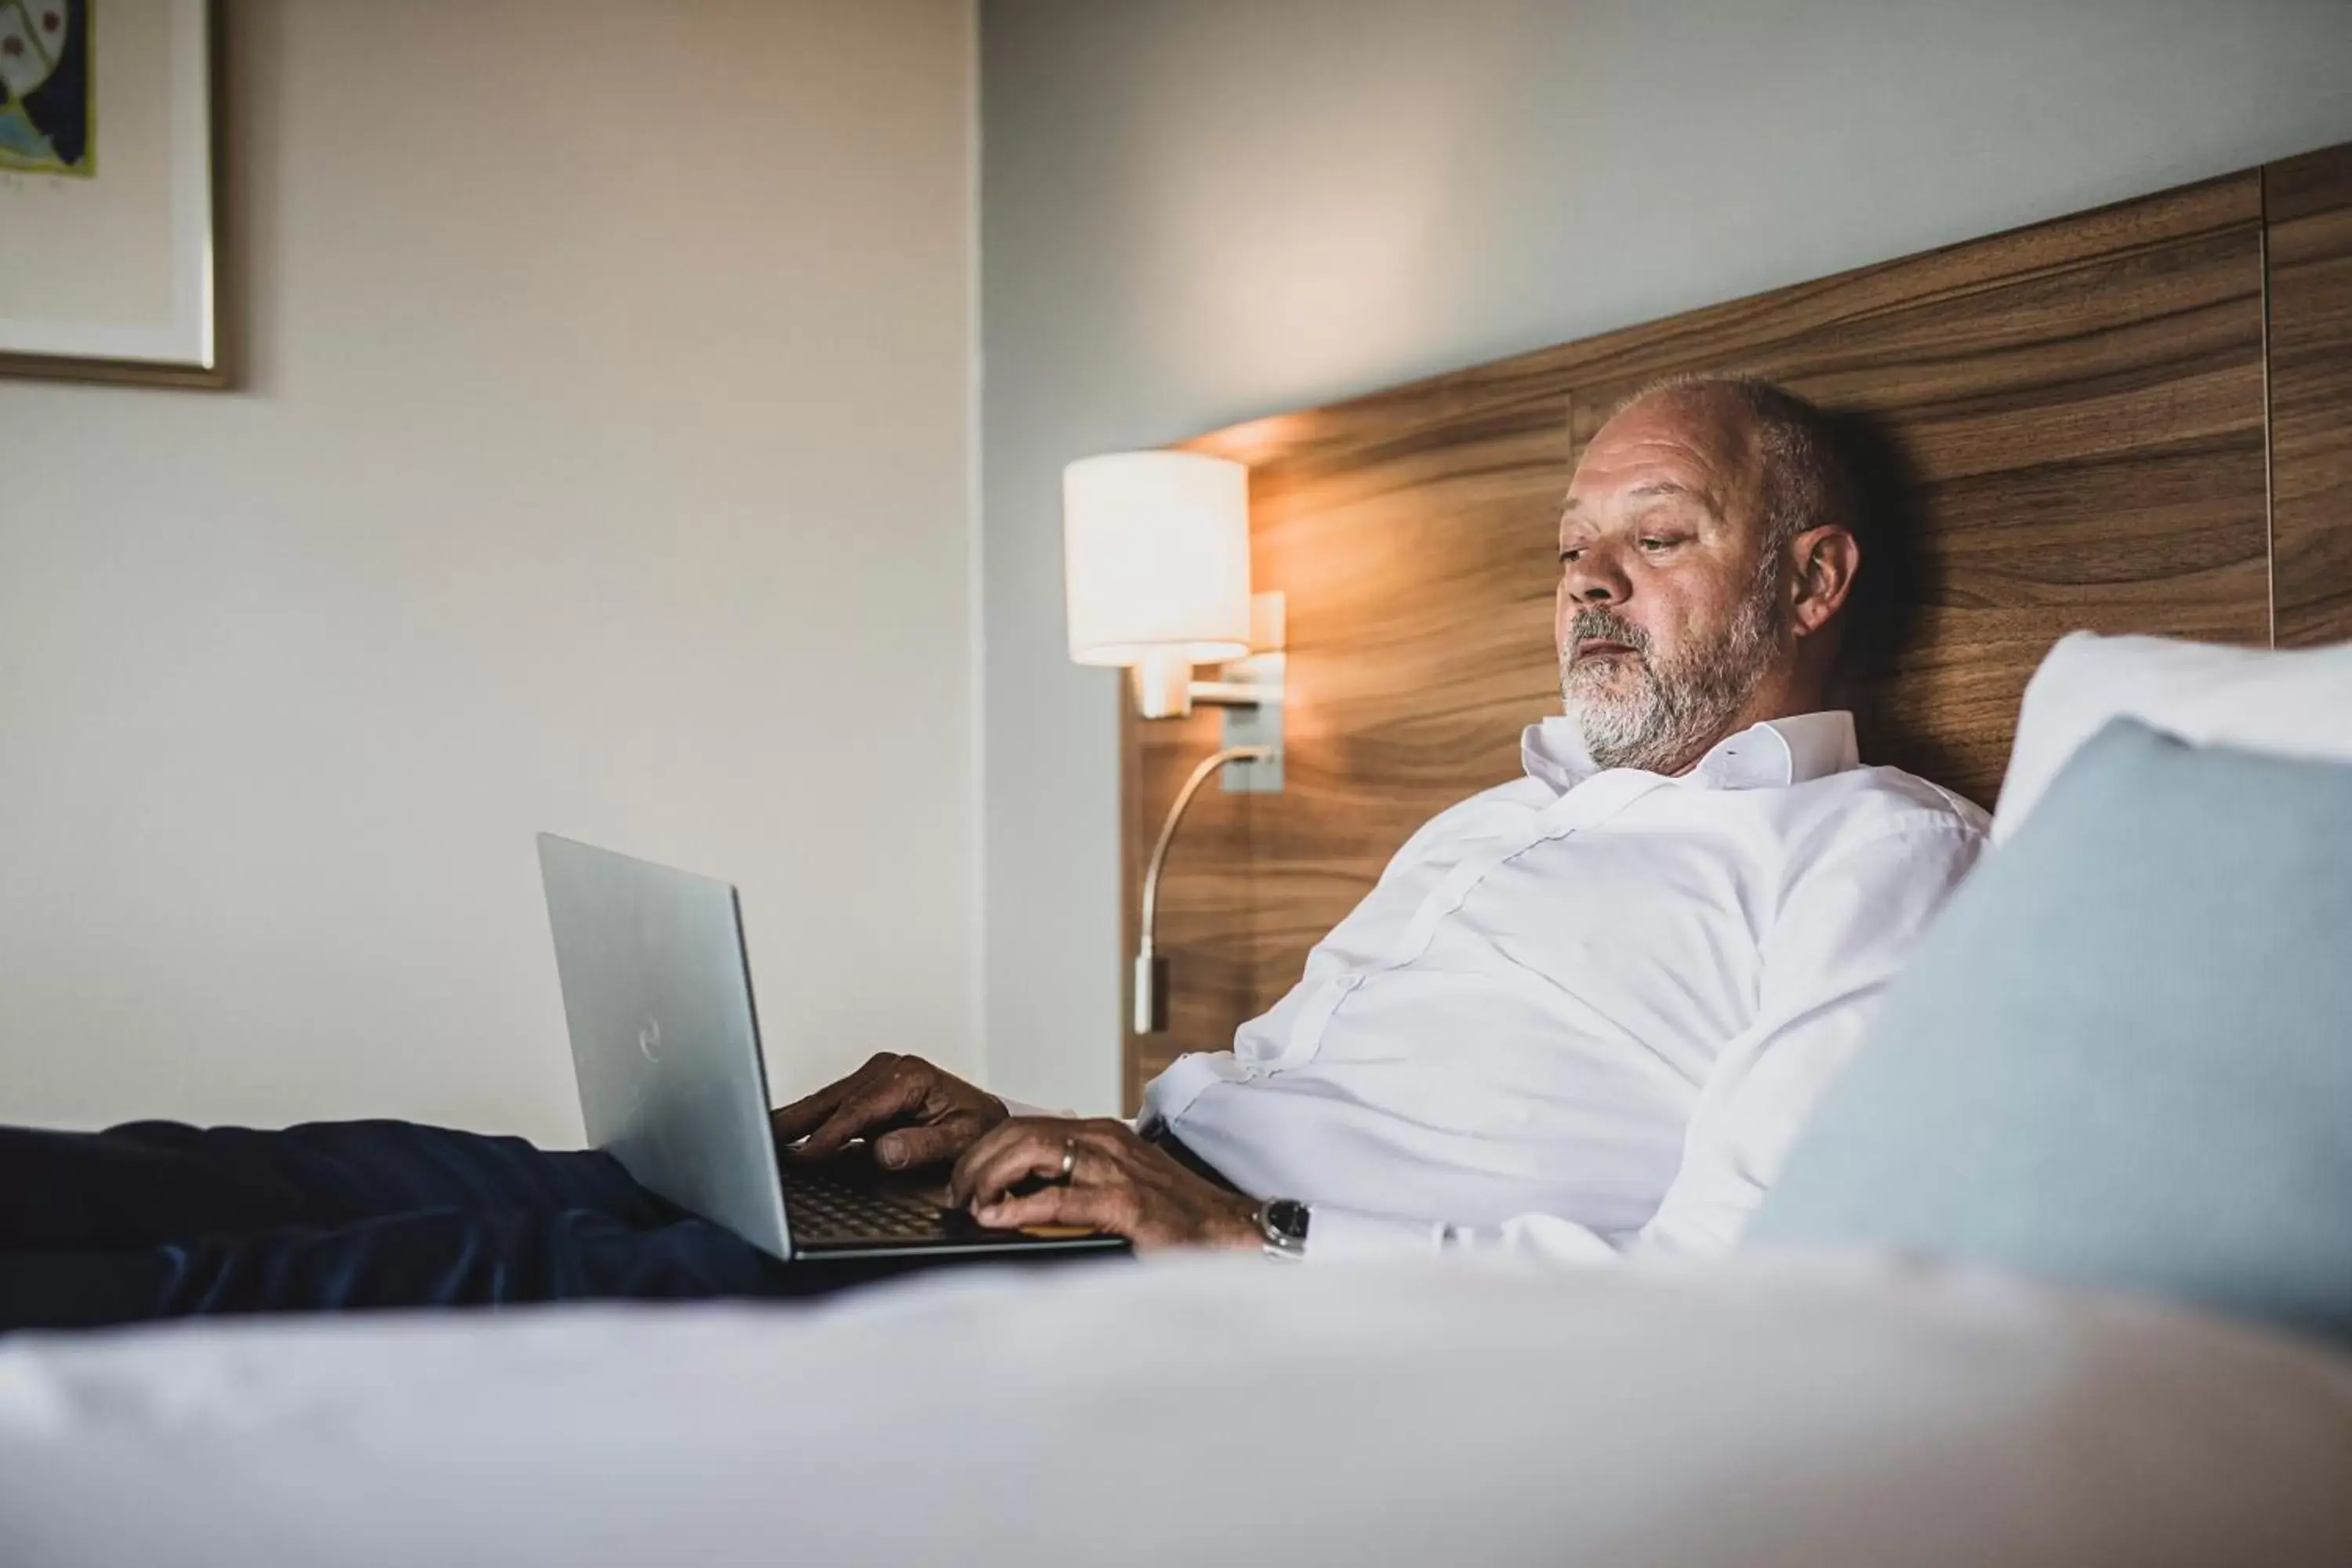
pixel 825 1205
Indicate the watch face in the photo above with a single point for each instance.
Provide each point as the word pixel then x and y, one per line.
pixel 1288 1216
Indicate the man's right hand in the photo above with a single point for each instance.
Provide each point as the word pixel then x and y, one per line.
pixel 910 1112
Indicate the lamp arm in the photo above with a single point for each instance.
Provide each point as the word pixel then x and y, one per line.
pixel 1148 987
pixel 1209 765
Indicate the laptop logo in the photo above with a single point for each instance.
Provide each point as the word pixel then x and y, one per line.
pixel 649 1040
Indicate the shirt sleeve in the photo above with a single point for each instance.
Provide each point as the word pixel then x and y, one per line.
pixel 1845 928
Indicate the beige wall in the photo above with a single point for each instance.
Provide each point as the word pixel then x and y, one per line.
pixel 1199 211
pixel 604 467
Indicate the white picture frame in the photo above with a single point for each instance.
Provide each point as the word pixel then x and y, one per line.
pixel 110 262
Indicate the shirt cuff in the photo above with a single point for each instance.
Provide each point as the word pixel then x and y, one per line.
pixel 1022 1108
pixel 1337 1232
pixel 1351 1233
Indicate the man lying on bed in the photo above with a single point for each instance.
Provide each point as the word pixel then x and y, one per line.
pixel 1585 1012
pixel 1588 1011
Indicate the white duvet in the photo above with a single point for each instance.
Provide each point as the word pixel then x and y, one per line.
pixel 1204 1412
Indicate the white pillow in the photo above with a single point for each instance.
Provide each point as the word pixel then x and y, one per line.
pixel 2294 703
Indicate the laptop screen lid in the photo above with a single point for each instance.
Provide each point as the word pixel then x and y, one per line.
pixel 658 997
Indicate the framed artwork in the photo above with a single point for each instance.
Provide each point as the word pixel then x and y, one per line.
pixel 109 237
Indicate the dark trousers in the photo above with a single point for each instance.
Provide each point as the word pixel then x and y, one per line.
pixel 154 1219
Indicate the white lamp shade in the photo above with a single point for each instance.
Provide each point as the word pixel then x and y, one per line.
pixel 1156 553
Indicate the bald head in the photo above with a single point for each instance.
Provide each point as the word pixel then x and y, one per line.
pixel 1783 442
pixel 1707 546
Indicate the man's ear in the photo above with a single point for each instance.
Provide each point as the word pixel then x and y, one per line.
pixel 1822 563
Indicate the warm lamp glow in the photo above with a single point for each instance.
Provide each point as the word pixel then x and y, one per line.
pixel 1156 548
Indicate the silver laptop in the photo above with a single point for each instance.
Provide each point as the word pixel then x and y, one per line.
pixel 657 993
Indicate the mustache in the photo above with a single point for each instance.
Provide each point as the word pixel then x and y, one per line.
pixel 1609 627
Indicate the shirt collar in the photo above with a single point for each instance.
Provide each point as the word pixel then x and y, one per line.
pixel 1774 754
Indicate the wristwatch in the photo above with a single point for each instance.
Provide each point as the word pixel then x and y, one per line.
pixel 1283 1223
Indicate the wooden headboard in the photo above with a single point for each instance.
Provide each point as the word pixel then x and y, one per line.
pixel 2136 420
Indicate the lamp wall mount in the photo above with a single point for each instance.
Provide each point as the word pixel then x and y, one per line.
pixel 1248 691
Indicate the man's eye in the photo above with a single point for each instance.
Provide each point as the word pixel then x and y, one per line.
pixel 1569 557
pixel 1654 544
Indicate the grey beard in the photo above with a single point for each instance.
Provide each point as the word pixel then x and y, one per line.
pixel 1682 707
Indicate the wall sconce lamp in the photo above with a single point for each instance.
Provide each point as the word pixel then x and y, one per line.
pixel 1156 556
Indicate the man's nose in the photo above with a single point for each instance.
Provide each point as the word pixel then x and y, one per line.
pixel 1594 579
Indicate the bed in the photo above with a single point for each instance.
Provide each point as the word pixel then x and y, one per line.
pixel 1799 1402
pixel 1794 1412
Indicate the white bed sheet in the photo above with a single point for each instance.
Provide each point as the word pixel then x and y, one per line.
pixel 1206 1410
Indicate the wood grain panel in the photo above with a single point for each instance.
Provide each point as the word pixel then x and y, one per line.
pixel 2064 427
pixel 2308 203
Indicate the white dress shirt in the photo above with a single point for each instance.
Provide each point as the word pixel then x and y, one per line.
pixel 1587 1011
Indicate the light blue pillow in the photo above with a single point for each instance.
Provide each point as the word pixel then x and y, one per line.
pixel 2123 1055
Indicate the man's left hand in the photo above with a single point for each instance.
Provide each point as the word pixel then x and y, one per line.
pixel 1118 1182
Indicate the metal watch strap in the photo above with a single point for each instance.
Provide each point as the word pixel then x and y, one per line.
pixel 1282 1224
